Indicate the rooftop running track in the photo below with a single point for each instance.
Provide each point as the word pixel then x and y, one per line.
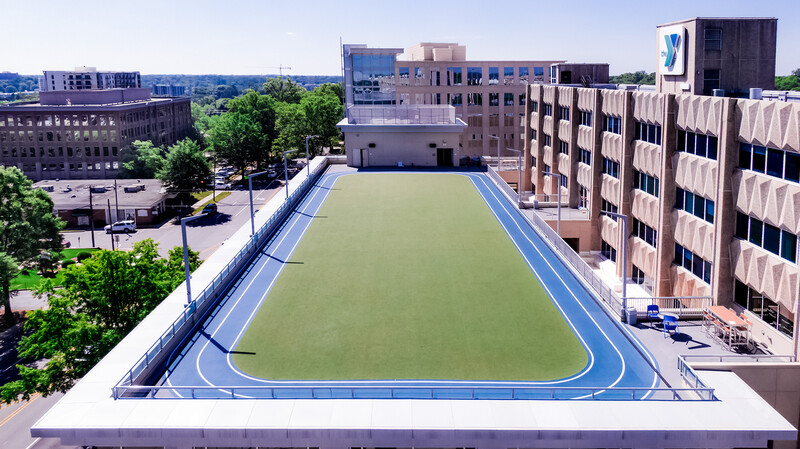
pixel 615 361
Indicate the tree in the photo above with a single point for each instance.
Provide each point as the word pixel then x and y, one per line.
pixel 237 140
pixel 292 126
pixel 322 110
pixel 103 300
pixel 333 88
pixel 27 228
pixel 141 160
pixel 640 77
pixel 284 89
pixel 263 110
pixel 791 82
pixel 186 167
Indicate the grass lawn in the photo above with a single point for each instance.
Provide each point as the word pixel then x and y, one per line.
pixel 220 196
pixel 408 276
pixel 30 279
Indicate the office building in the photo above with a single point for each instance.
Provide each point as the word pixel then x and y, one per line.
pixel 709 184
pixel 489 96
pixel 80 134
pixel 83 78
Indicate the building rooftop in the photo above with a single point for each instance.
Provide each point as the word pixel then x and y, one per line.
pixel 402 115
pixel 74 194
pixel 730 19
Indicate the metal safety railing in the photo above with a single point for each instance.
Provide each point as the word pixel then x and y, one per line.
pixel 222 277
pixel 681 305
pixel 692 379
pixel 414 392
pixel 500 182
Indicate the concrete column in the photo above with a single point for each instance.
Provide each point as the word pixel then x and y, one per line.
pixel 665 248
pixel 554 143
pixel 724 207
pixel 597 169
pixel 626 177
pixel 574 120
pixel 527 185
pixel 538 149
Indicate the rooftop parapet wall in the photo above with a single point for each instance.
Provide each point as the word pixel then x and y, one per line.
pixel 93 97
pixel 700 114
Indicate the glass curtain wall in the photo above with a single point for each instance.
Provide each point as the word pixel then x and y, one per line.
pixel 373 79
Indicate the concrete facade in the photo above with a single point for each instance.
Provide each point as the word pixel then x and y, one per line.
pixel 80 134
pixel 732 54
pixel 489 96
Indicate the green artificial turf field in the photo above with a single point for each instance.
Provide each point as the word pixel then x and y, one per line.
pixel 408 276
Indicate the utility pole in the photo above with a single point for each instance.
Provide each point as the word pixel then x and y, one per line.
pixel 116 204
pixel 91 215
pixel 112 225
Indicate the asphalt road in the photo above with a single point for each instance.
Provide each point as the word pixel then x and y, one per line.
pixel 16 420
pixel 234 211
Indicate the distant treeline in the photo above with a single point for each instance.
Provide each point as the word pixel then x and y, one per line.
pixel 20 84
pixel 240 82
pixel 640 77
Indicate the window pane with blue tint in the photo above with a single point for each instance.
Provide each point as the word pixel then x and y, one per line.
pixel 772 238
pixel 756 231
pixel 690 142
pixel 709 211
pixel 697 267
pixel 678 254
pixel 707 272
pixel 687 259
pixel 745 150
pixel 689 202
pixel 742 223
pixel 700 145
pixel 759 158
pixel 678 198
pixel 792 167
pixel 712 147
pixel 789 246
pixel 699 207
pixel 775 163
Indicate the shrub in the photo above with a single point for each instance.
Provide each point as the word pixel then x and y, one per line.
pixel 66 263
pixel 83 256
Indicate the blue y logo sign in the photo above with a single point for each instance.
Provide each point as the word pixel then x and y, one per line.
pixel 673 42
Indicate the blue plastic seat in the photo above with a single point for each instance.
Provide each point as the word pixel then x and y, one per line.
pixel 670 324
pixel 652 312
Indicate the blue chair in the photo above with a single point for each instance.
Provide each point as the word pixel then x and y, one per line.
pixel 652 312
pixel 670 324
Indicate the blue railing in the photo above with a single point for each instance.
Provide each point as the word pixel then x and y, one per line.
pixel 211 290
pixel 691 377
pixel 414 392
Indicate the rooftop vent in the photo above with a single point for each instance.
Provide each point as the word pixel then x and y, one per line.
pixel 48 188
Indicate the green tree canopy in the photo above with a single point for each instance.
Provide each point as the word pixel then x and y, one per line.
pixel 185 167
pixel 322 110
pixel 141 160
pixel 237 140
pixel 292 126
pixel 791 82
pixel 102 300
pixel 284 89
pixel 640 77
pixel 27 227
pixel 263 110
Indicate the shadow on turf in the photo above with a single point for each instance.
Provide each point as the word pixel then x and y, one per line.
pixel 281 261
pixel 220 347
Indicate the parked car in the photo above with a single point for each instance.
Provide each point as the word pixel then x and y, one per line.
pixel 210 209
pixel 125 226
pixel 221 185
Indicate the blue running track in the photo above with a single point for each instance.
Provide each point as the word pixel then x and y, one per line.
pixel 614 361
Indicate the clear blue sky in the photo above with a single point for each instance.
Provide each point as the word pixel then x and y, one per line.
pixel 253 36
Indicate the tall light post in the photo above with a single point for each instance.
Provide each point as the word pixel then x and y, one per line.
pixel 252 213
pixel 498 150
pixel 624 256
pixel 286 169
pixel 558 222
pixel 186 256
pixel 307 164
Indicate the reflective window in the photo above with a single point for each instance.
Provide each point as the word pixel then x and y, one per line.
pixel 612 124
pixel 454 76
pixel 775 315
pixel 523 75
pixel 508 76
pixel 771 238
pixel 508 99
pixel 494 76
pixel 373 79
pixel 474 76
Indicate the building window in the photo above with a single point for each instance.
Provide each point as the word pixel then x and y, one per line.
pixel 710 81
pixel 474 76
pixel 523 75
pixel 508 76
pixel 508 99
pixel 534 133
pixel 564 181
pixel 638 276
pixel 775 315
pixel 538 71
pixel 521 99
pixel 533 161
pixel 608 251
pixel 586 118
pixel 644 232
pixel 494 99
pixel 563 147
pixel 608 206
pixel 548 109
pixel 535 106
pixel 713 39
pixel 584 156
pixel 494 76
pixel 583 197
pixel 697 205
pixel 697 144
pixel 645 183
pixel 693 263
pixel 547 140
pixel 612 124
pixel 475 99
pixel 770 161
pixel 563 113
pixel 777 241
pixel 647 132
pixel 610 167
pixel 547 169
pixel 456 100
pixel 454 76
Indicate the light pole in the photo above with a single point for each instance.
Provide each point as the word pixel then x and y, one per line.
pixel 252 213
pixel 286 169
pixel 186 256
pixel 558 222
pixel 307 165
pixel 498 150
pixel 91 215
pixel 624 256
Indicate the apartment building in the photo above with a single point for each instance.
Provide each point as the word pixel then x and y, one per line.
pixel 83 78
pixel 80 134
pixel 710 187
pixel 488 95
